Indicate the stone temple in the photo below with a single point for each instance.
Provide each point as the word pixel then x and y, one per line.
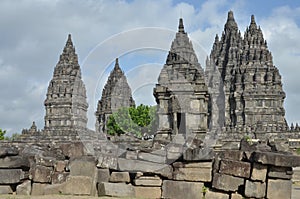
pixel 181 92
pixel 115 95
pixel 239 95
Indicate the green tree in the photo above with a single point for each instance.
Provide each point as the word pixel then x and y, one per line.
pixel 2 134
pixel 138 121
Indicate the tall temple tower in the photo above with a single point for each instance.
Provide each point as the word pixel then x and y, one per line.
pixel 250 84
pixel 181 92
pixel 66 105
pixel 115 95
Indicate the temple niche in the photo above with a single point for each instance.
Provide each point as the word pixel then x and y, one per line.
pixel 66 105
pixel 115 95
pixel 181 93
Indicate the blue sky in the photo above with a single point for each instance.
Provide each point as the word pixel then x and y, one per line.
pixel 33 34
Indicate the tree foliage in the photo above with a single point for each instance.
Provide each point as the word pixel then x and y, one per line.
pixel 2 134
pixel 135 120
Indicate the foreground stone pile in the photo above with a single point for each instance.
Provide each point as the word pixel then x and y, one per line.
pixel 67 168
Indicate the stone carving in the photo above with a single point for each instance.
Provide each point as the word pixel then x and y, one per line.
pixel 115 95
pixel 181 92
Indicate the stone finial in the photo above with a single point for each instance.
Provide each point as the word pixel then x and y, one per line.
pixel 230 24
pixel 33 127
pixel 180 26
pixel 253 25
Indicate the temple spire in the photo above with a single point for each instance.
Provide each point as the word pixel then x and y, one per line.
pixel 181 27
pixel 230 24
pixel 253 25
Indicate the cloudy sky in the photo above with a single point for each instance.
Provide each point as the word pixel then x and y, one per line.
pixel 33 34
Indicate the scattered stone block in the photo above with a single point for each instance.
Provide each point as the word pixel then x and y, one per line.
pixel 236 196
pixel 5 189
pixel 231 155
pixel 83 166
pixel 281 172
pixel 149 181
pixel 53 189
pixel 145 167
pixel 78 185
pixel 14 162
pixel 226 182
pixel 11 176
pixel 24 188
pixel 107 161
pixel 8 151
pixel 151 157
pixel 235 168
pixel 119 177
pixel 115 189
pixel 72 149
pixel 197 154
pixel 296 174
pixel 59 177
pixel 279 189
pixel 259 172
pixel 103 175
pixel 276 159
pixel 44 161
pixel 199 172
pixel 60 166
pixel 255 189
pixel 215 195
pixel 181 189
pixel 131 155
pixel 37 189
pixel 41 173
pixel 147 192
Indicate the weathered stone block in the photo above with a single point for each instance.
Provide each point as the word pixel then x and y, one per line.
pixel 44 161
pixel 14 162
pixel 83 166
pixel 236 196
pixel 5 189
pixel 181 189
pixel 107 161
pixel 235 168
pixel 24 188
pixel 53 189
pixel 259 172
pixel 215 195
pixel 59 177
pixel 115 189
pixel 278 189
pixel 255 189
pixel 152 157
pixel 8 151
pixel 276 159
pixel 149 181
pixel 11 176
pixel 37 189
pixel 198 154
pixel 200 172
pixel 226 182
pixel 72 150
pixel 281 172
pixel 119 177
pixel 60 166
pixel 147 192
pixel 78 185
pixel 131 155
pixel 103 175
pixel 231 155
pixel 296 174
pixel 41 173
pixel 146 167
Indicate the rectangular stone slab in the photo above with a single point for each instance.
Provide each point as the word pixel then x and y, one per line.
pixel 276 159
pixel 11 176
